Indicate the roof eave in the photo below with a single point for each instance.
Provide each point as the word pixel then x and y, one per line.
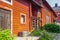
pixel 37 3
pixel 46 3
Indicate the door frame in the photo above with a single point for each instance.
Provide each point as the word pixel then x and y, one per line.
pixel 4 7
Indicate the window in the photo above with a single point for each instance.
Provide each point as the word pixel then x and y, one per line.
pixel 5 19
pixel 46 11
pixel 58 21
pixel 58 14
pixel 47 19
pixel 8 1
pixel 22 19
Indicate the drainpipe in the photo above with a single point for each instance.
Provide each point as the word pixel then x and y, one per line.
pixel 41 16
pixel 30 16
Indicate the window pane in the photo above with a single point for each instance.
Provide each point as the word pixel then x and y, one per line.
pixel 58 20
pixel 5 19
pixel 8 0
pixel 58 14
pixel 47 19
pixel 22 19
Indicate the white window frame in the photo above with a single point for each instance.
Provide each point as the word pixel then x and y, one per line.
pixel 58 14
pixel 46 11
pixel 47 19
pixel 7 2
pixel 20 18
pixel 11 17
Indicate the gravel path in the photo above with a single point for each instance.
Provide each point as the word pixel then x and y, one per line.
pixel 58 37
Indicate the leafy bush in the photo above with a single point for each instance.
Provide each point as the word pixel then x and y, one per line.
pixel 45 36
pixel 51 27
pixel 42 34
pixel 35 32
pixel 5 35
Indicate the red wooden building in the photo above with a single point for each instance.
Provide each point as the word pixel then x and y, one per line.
pixel 22 16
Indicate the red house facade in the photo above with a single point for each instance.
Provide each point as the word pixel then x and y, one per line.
pixel 22 16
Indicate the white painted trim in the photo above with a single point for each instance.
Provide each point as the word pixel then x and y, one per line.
pixel 11 17
pixel 11 21
pixel 8 2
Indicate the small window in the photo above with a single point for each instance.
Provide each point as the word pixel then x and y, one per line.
pixel 58 14
pixel 22 19
pixel 58 21
pixel 8 1
pixel 46 11
pixel 47 19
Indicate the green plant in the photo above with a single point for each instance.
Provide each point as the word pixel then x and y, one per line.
pixel 45 36
pixel 51 28
pixel 35 32
pixel 42 34
pixel 6 35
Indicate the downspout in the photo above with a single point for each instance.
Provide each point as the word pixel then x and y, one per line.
pixel 52 18
pixel 30 16
pixel 41 13
pixel 41 16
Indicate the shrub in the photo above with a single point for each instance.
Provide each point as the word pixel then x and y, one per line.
pixel 45 36
pixel 42 34
pixel 6 35
pixel 35 32
pixel 51 27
